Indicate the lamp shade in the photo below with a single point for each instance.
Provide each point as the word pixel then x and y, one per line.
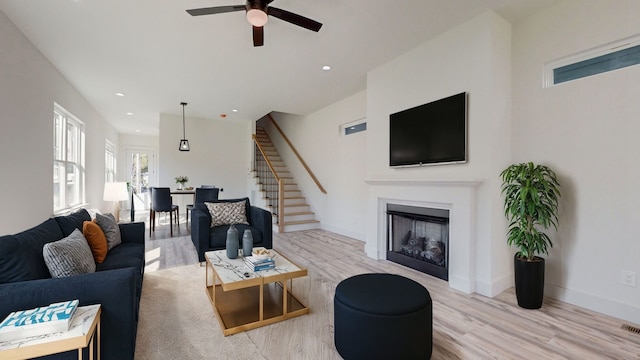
pixel 115 191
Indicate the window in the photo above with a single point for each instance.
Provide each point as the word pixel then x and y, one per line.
pixel 605 58
pixel 109 161
pixel 68 160
pixel 353 127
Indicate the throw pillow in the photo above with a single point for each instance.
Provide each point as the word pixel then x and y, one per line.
pixel 110 228
pixel 227 213
pixel 96 239
pixel 69 256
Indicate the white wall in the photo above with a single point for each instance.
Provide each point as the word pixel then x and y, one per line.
pixel 587 130
pixel 220 154
pixel 472 58
pixel 336 160
pixel 29 85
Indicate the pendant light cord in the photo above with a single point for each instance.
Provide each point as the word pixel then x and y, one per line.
pixel 183 132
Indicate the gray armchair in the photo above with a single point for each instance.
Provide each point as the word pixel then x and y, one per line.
pixel 206 238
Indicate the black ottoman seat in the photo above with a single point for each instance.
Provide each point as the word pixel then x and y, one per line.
pixel 382 316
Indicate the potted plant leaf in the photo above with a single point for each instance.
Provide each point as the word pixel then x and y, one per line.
pixel 531 195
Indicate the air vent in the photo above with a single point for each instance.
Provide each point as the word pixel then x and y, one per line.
pixel 631 328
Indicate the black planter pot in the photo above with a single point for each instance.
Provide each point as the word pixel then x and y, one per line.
pixel 529 282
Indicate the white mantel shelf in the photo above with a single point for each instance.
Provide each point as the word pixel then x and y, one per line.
pixel 424 182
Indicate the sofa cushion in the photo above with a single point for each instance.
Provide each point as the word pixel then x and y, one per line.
pixel 69 256
pixel 227 213
pixel 110 228
pixel 73 221
pixel 125 255
pixel 21 254
pixel 96 239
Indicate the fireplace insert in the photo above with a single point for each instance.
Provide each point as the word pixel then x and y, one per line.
pixel 418 237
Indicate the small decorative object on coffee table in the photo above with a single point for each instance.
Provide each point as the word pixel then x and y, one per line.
pixel 247 242
pixel 232 242
pixel 181 180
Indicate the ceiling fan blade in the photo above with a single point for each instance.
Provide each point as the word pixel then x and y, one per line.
pixel 216 10
pixel 294 18
pixel 258 36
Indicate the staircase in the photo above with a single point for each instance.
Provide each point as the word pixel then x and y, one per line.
pixel 297 213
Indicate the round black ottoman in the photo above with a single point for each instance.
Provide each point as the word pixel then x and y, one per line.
pixel 382 316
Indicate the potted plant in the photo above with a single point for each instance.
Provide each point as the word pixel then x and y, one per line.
pixel 530 204
pixel 180 180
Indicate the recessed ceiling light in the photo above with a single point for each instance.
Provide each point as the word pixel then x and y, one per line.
pixel 326 68
pixel 137 130
pixel 235 110
pixel 119 94
pixel 129 113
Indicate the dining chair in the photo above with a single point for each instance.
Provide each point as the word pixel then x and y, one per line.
pixel 161 201
pixel 203 194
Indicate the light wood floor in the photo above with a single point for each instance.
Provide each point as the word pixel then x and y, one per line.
pixel 464 326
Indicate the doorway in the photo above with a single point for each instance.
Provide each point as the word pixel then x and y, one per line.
pixel 140 174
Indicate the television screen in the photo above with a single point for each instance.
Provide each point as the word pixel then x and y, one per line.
pixel 433 133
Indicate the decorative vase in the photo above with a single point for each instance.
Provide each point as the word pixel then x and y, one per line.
pixel 232 242
pixel 247 242
pixel 180 186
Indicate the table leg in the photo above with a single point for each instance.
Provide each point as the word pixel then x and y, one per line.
pixel 91 347
pixel 98 341
pixel 284 297
pixel 261 301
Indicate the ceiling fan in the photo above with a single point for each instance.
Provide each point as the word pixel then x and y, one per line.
pixel 258 12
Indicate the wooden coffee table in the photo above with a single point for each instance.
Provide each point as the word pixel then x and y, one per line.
pixel 243 299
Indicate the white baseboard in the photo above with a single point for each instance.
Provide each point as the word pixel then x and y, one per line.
pixel 344 232
pixel 494 288
pixel 625 312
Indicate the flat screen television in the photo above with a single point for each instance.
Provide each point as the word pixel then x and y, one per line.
pixel 429 134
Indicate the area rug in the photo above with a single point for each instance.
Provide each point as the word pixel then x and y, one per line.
pixel 177 321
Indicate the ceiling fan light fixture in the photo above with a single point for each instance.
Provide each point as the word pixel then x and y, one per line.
pixel 257 17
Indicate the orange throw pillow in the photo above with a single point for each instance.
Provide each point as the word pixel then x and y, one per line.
pixel 96 239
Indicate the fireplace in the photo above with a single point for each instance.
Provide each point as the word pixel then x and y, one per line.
pixel 418 237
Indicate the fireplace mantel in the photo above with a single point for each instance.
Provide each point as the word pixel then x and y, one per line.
pixel 427 182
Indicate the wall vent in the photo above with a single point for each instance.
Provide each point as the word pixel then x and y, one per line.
pixel 631 328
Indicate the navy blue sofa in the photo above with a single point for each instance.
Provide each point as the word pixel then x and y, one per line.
pixel 25 281
pixel 206 238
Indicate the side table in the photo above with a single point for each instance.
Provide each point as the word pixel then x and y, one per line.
pixel 84 328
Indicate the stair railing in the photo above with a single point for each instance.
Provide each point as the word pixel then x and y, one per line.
pixel 304 164
pixel 272 184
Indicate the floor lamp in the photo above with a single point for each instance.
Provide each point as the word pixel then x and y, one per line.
pixel 116 192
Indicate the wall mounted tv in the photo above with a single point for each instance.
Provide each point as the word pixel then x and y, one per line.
pixel 429 134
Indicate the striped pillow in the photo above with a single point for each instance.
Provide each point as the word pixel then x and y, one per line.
pixel 69 256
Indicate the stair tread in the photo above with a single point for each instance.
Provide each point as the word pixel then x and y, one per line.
pixel 300 222
pixel 299 213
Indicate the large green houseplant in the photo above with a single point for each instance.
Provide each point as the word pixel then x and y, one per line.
pixel 531 195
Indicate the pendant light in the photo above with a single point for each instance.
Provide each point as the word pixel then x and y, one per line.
pixel 184 143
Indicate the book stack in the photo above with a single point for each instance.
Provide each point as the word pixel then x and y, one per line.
pixel 39 321
pixel 256 264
